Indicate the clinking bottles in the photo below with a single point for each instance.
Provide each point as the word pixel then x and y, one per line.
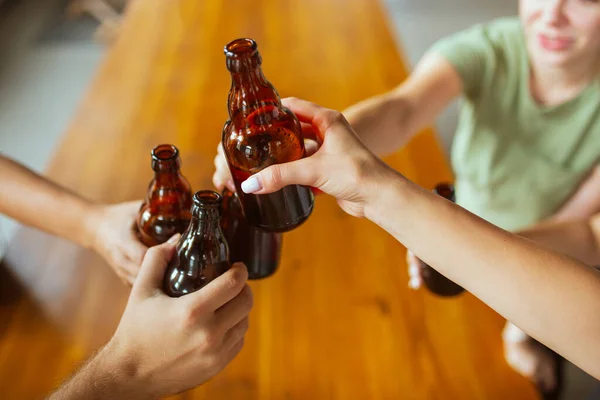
pixel 202 253
pixel 166 210
pixel 436 282
pixel 261 132
pixel 259 250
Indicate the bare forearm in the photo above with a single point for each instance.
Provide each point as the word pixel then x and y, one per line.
pixel 386 123
pixel 585 202
pixel 102 377
pixel 552 297
pixel 382 122
pixel 35 201
pixel 579 238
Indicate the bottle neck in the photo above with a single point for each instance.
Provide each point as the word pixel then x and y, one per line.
pixel 250 90
pixel 205 223
pixel 167 177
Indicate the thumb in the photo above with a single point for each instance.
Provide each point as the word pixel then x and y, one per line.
pixel 271 179
pixel 153 268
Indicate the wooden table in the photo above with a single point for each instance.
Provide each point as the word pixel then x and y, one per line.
pixel 337 321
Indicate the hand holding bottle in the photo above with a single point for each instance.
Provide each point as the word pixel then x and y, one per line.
pixel 341 167
pixel 166 345
pixel 113 236
pixel 202 331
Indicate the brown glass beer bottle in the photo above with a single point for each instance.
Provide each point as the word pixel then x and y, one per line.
pixel 166 210
pixel 436 282
pixel 202 253
pixel 259 250
pixel 261 132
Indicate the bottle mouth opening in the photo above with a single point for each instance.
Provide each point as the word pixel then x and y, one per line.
pixel 446 190
pixel 165 152
pixel 242 47
pixel 207 199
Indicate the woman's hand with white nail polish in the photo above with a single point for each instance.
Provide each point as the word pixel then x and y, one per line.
pixel 342 166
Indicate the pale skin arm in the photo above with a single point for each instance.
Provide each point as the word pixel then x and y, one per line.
pixel 40 203
pixel 585 202
pixel 550 296
pixel 35 201
pixel 387 122
pixel 579 238
pixel 523 282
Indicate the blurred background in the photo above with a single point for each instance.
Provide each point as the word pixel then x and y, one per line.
pixel 50 49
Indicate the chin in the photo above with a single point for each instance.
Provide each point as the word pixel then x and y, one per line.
pixel 554 59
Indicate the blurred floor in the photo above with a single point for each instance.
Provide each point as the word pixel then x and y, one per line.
pixel 47 61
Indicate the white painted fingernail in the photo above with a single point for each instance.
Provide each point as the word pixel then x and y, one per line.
pixel 414 283
pixel 413 270
pixel 251 185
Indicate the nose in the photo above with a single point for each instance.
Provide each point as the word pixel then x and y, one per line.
pixel 554 12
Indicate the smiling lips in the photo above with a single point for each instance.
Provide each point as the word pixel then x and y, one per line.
pixel 554 43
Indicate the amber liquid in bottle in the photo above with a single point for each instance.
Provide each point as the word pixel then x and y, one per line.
pixel 436 282
pixel 261 132
pixel 166 210
pixel 259 250
pixel 202 253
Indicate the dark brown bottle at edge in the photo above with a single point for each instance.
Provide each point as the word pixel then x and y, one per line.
pixel 202 253
pixel 259 250
pixel 261 132
pixel 166 210
pixel 436 282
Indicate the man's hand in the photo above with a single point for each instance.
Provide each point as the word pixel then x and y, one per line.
pixel 166 345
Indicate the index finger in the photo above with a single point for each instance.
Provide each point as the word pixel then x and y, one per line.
pixel 221 290
pixel 319 117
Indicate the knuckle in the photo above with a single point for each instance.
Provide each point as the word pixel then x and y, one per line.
pixel 244 326
pixel 272 176
pixel 211 340
pixel 247 297
pixel 152 253
pixel 190 316
pixel 330 118
pixel 235 278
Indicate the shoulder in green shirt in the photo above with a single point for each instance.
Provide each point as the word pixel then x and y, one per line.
pixel 516 162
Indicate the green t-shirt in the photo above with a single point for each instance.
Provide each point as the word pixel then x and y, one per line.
pixel 516 162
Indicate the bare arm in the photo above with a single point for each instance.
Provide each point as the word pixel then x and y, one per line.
pixel 102 377
pixel 40 203
pixel 523 282
pixel 387 122
pixel 108 229
pixel 550 296
pixel 585 202
pixel 579 238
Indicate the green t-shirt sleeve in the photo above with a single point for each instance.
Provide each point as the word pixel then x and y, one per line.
pixel 471 52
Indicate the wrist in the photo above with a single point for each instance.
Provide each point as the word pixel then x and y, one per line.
pixel 383 190
pixel 93 215
pixel 118 369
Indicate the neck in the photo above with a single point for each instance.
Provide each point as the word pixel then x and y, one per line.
pixel 555 85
